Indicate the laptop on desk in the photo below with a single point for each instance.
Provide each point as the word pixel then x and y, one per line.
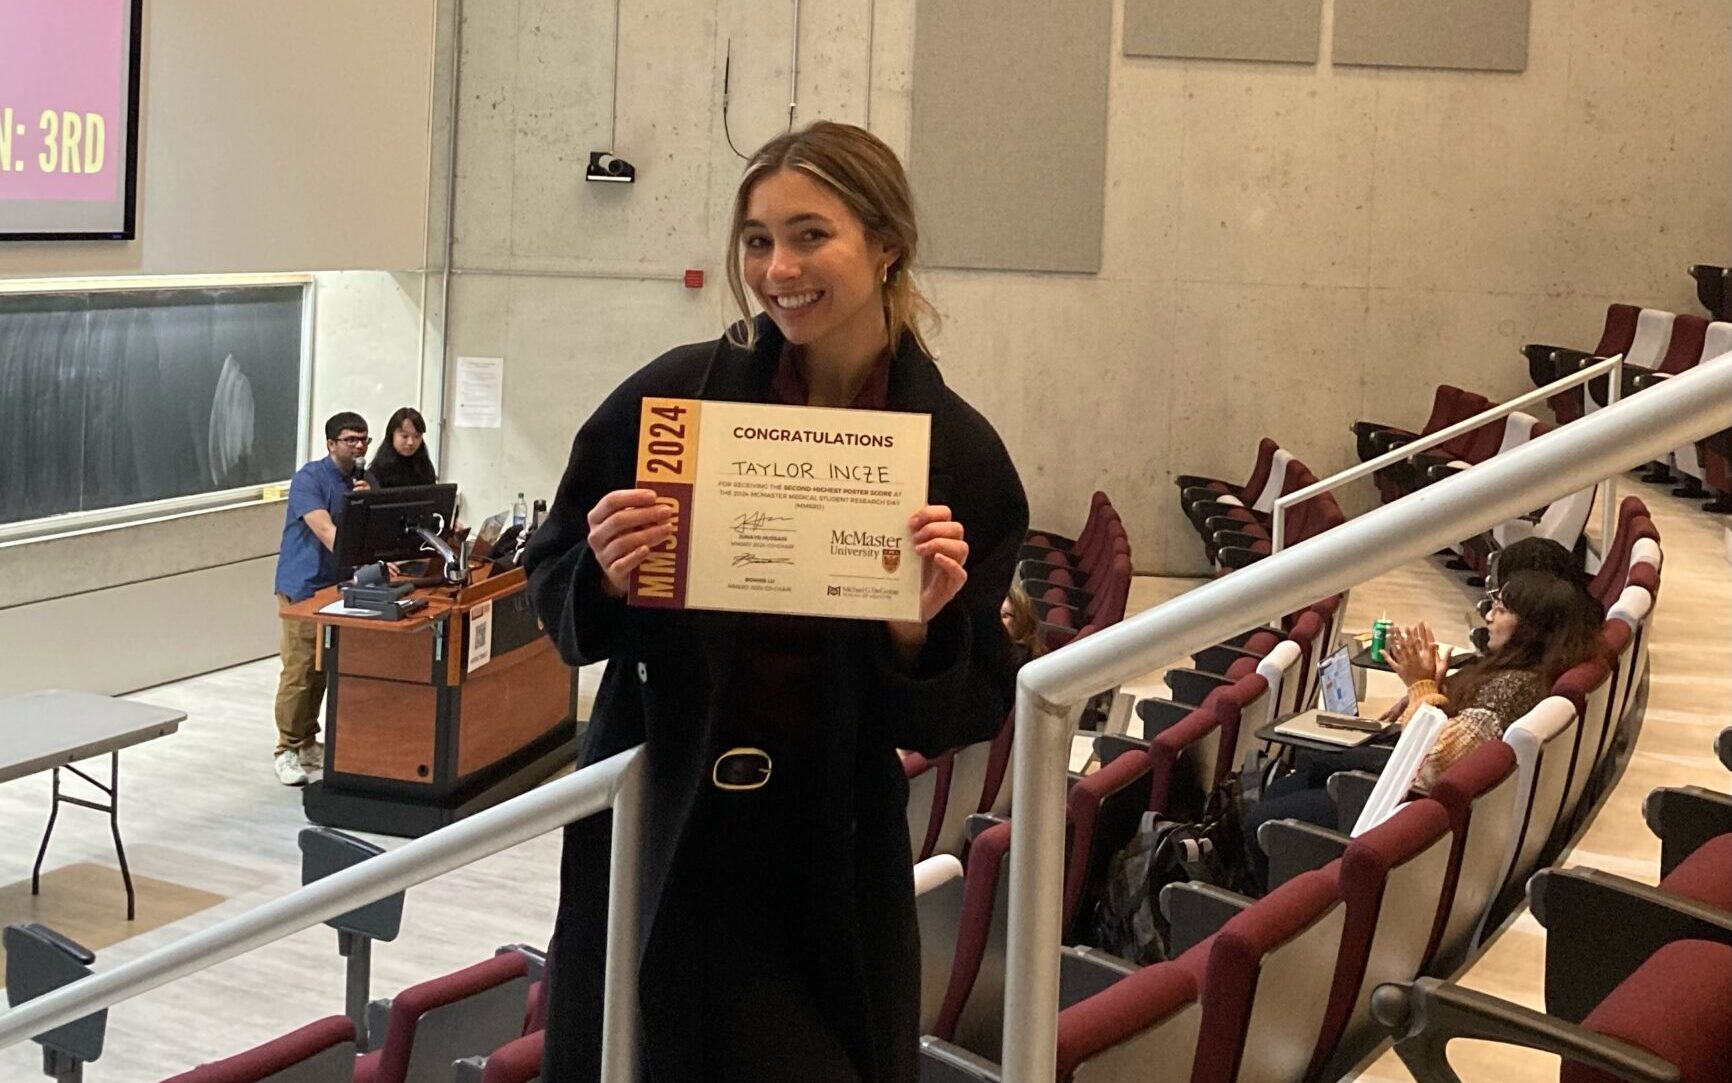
pixel 1337 722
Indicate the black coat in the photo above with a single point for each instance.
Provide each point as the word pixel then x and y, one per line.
pixel 660 689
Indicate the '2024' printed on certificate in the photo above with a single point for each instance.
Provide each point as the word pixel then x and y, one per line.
pixel 783 509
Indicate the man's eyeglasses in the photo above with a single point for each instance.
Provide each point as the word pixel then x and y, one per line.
pixel 355 441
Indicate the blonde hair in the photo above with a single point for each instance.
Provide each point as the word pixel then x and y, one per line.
pixel 866 175
pixel 1024 626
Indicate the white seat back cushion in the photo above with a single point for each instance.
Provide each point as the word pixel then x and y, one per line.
pixel 1272 485
pixel 1653 335
pixel 1287 1007
pixel 1541 740
pixel 1280 667
pixel 938 893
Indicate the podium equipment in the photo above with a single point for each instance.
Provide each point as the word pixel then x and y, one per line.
pixel 457 706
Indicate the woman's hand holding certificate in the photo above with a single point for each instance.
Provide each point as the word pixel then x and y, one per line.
pixel 624 526
pixel 939 542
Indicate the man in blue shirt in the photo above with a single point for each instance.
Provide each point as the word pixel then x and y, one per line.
pixel 306 563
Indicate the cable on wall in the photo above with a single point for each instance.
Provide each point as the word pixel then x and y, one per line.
pixel 728 71
pixel 793 62
pixel 871 46
pixel 727 76
pixel 613 119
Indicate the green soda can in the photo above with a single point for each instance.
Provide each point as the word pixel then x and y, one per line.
pixel 1379 636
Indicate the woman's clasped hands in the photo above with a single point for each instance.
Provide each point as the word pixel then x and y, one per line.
pixel 1415 656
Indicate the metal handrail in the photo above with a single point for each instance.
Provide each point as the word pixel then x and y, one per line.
pixel 1050 689
pixel 1613 364
pixel 613 783
pixel 1049 692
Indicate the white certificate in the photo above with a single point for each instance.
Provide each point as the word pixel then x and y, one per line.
pixel 783 509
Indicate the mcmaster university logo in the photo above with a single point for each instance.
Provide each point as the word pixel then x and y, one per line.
pixel 891 559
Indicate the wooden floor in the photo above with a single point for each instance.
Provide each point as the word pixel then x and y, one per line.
pixel 205 820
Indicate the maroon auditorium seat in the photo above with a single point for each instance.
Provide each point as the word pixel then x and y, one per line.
pixel 1588 687
pixel 1186 762
pixel 1258 503
pixel 995 788
pixel 1264 979
pixel 1609 581
pixel 1645 1011
pixel 1193 487
pixel 1664 1020
pixel 1101 814
pixel 321 1052
pixel 1478 792
pixel 462 1014
pixel 1149 1017
pixel 1547 364
pixel 1236 549
pixel 517 1061
pixel 1092 523
pixel 1706 875
pixel 1391 880
pixel 928 779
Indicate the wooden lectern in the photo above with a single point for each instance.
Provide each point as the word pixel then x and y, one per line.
pixel 414 738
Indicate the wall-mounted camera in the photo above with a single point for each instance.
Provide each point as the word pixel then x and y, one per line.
pixel 605 167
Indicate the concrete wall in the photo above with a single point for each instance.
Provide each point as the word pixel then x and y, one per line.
pixel 1287 248
pixel 366 348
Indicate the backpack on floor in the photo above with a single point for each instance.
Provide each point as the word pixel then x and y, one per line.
pixel 1128 921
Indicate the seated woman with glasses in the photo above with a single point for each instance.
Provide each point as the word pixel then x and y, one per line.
pixel 1538 629
pixel 403 460
pixel 1536 555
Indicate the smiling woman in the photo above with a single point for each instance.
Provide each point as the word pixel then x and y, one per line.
pixel 825 228
pixel 778 913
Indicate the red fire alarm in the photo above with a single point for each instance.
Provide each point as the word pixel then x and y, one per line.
pixel 694 279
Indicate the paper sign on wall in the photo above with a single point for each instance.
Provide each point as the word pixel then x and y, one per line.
pixel 480 392
pixel 480 636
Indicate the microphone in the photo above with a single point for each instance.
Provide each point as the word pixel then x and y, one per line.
pixel 359 472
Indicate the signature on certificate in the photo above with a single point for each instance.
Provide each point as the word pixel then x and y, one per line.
pixel 742 560
pixel 752 521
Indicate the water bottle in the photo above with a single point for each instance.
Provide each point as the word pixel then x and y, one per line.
pixel 519 512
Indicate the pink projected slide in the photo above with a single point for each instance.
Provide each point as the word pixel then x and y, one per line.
pixel 64 89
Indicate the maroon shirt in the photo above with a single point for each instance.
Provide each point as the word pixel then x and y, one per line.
pixel 774 694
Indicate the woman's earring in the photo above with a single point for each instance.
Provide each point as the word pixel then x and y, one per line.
pixel 884 275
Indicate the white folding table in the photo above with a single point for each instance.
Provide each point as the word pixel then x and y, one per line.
pixel 53 729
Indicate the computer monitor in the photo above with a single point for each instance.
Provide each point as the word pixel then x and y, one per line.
pixel 381 524
pixel 1335 680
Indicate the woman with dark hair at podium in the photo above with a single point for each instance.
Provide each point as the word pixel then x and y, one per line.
pixel 404 459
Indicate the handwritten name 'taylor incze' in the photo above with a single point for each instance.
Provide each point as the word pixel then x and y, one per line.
pixel 866 473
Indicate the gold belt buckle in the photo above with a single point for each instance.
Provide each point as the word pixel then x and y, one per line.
pixel 741 769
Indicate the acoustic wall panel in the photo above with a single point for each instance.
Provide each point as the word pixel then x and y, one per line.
pixel 1007 149
pixel 1283 30
pixel 1478 35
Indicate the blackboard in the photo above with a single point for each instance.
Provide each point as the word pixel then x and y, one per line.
pixel 118 397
